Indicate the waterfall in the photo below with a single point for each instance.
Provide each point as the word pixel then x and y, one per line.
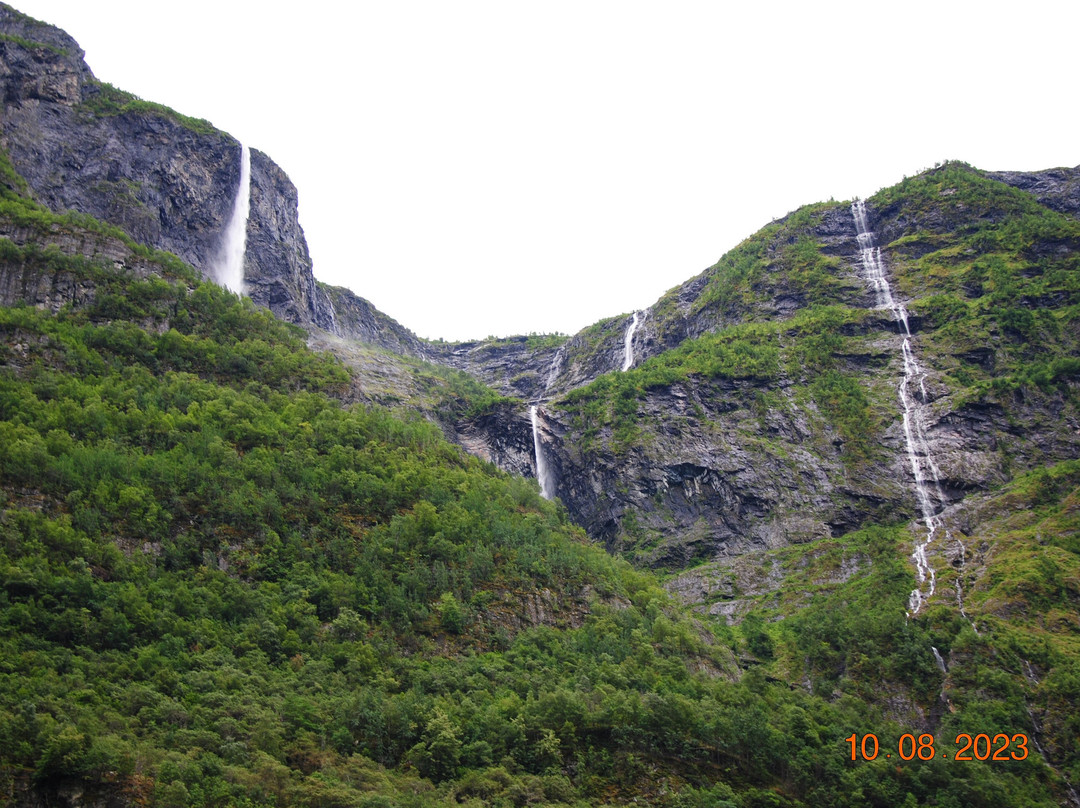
pixel 925 470
pixel 556 366
pixel 628 344
pixel 939 660
pixel 229 271
pixel 960 588
pixel 543 473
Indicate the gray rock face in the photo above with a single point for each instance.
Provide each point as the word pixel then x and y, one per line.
pixel 694 487
pixel 357 319
pixel 516 366
pixel 169 183
pixel 278 269
pixel 543 368
pixel 20 284
pixel 164 184
pixel 1057 188
pixel 502 437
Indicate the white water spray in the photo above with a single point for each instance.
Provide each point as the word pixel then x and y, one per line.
pixel 925 470
pixel 939 660
pixel 556 366
pixel 543 473
pixel 960 588
pixel 628 344
pixel 229 271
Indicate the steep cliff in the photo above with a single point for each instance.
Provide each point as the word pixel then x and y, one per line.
pixel 165 179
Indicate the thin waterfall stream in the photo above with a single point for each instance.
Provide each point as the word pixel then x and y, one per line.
pixel 544 474
pixel 912 393
pixel 229 271
pixel 628 344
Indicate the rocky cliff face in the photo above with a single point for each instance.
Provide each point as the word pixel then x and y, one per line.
pixel 59 286
pixel 538 368
pixel 516 366
pixel 167 180
pixel 165 184
pixel 1057 188
pixel 356 319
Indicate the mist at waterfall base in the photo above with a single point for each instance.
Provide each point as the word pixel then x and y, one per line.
pixel 497 168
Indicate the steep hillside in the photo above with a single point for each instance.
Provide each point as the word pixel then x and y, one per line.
pixel 780 421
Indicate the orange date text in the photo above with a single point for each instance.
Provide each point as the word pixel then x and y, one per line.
pixel 999 748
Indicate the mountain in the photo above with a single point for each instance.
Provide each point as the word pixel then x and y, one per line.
pixel 814 546
pixel 775 417
pixel 165 179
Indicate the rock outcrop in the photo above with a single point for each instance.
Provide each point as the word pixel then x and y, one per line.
pixel 356 319
pixel 1057 188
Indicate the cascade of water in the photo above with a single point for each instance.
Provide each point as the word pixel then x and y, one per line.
pixel 939 660
pixel 959 586
pixel 543 473
pixel 556 365
pixel 925 470
pixel 628 344
pixel 229 271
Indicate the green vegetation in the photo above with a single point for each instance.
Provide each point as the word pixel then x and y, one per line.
pixel 833 620
pixel 756 355
pixel 109 101
pixel 220 587
pixel 533 341
pixel 769 264
pixel 31 45
pixel 458 394
pixel 12 184
pixel 994 269
pixel 22 212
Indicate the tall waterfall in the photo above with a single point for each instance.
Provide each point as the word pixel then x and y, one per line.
pixel 543 473
pixel 229 271
pixel 928 490
pixel 628 344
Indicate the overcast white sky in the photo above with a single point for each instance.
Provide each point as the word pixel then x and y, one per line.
pixel 496 167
